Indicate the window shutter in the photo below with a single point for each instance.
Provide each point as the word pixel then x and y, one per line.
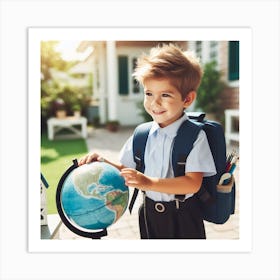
pixel 233 73
pixel 123 74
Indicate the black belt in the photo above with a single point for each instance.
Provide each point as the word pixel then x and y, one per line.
pixel 162 206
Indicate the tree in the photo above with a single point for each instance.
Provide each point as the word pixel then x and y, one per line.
pixel 208 94
pixel 50 58
pixel 52 89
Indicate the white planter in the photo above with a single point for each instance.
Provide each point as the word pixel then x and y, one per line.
pixel 61 114
pixel 77 114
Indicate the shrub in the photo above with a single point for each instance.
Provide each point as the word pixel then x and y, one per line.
pixel 208 94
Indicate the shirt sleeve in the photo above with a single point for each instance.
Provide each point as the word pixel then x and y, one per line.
pixel 126 154
pixel 200 158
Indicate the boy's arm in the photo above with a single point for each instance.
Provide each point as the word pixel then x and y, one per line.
pixel 190 183
pixel 96 157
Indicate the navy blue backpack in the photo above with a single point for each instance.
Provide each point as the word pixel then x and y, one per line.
pixel 217 202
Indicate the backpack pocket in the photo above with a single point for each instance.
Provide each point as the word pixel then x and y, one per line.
pixel 225 201
pixel 226 188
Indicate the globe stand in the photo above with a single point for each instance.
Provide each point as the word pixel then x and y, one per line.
pixel 99 234
pixel 65 220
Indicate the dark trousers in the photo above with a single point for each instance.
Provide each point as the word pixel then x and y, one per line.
pixel 168 221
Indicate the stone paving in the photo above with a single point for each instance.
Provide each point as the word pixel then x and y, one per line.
pixel 108 144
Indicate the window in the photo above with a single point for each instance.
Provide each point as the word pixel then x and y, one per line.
pixel 135 84
pixel 126 66
pixel 233 73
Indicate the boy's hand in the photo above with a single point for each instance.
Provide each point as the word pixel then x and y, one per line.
pixel 134 178
pixel 90 157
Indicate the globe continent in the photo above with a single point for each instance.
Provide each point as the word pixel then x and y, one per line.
pixel 94 196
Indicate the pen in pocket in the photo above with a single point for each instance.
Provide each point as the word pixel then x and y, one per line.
pixel 225 178
pixel 232 168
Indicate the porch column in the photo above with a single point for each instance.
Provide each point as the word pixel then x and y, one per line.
pixel 102 83
pixel 112 84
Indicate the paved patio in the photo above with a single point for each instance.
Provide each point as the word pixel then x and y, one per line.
pixel 109 144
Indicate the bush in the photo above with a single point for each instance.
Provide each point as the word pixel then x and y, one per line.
pixel 208 94
pixel 53 95
pixel 143 113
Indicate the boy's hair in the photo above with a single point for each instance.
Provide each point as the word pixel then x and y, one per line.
pixel 169 61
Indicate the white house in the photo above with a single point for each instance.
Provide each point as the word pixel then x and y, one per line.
pixel 117 94
pixel 114 90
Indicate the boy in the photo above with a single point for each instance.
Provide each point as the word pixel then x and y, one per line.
pixel 170 79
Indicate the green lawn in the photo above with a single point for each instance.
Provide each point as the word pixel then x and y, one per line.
pixel 56 157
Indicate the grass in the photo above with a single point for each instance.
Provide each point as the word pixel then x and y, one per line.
pixel 56 157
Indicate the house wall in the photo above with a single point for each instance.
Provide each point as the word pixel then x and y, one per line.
pixel 223 59
pixel 230 98
pixel 230 95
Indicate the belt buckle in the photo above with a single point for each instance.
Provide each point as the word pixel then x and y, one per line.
pixel 159 207
pixel 177 202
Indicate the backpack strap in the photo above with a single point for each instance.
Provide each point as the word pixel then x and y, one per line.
pixel 140 137
pixel 183 144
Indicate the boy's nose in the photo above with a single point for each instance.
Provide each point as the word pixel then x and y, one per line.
pixel 156 101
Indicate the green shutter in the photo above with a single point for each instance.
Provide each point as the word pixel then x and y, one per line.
pixel 233 73
pixel 123 74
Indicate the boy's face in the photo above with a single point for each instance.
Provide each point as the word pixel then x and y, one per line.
pixel 163 101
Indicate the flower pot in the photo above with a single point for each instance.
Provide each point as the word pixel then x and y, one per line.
pixel 77 114
pixel 112 126
pixel 60 114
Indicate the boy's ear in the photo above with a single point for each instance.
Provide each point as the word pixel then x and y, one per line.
pixel 189 98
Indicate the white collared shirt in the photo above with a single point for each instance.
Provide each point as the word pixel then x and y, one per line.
pixel 158 156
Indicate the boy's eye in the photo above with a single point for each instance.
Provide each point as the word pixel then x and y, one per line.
pixel 166 95
pixel 148 93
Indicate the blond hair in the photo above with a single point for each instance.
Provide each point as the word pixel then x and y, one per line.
pixel 169 61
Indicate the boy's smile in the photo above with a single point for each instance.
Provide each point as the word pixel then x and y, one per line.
pixel 163 101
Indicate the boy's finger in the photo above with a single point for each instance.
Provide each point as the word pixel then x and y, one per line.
pixel 128 171
pixel 131 183
pixel 89 159
pixel 81 161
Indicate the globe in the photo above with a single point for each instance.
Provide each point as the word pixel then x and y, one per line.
pixel 91 197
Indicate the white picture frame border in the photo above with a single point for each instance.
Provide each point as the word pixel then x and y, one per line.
pixel 241 34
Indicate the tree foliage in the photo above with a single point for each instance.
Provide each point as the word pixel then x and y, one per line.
pixel 52 89
pixel 50 58
pixel 208 95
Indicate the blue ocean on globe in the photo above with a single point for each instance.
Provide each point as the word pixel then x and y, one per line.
pixel 94 196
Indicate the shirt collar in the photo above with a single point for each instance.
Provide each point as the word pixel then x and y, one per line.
pixel 170 130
